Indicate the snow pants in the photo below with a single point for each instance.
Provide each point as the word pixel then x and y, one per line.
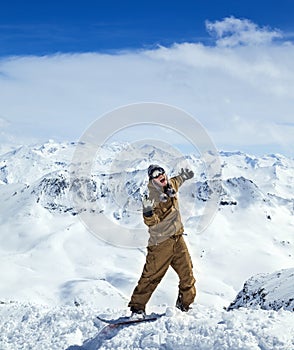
pixel 171 252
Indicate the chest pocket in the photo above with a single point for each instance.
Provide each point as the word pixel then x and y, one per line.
pixel 165 208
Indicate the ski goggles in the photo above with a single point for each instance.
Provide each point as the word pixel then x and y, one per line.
pixel 157 172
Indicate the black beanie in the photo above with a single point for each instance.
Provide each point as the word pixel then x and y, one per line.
pixel 152 168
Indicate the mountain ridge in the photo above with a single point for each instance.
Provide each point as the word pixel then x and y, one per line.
pixel 56 274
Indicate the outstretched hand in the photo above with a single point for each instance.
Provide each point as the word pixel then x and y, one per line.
pixel 147 205
pixel 186 174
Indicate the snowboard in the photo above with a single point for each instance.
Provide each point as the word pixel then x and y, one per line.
pixel 128 320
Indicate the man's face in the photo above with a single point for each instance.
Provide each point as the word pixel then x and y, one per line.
pixel 161 180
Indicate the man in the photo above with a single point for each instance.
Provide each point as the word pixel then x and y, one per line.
pixel 166 246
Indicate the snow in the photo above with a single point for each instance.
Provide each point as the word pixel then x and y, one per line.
pixel 269 291
pixel 56 275
pixel 29 326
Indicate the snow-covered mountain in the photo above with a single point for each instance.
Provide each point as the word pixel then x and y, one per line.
pixel 48 256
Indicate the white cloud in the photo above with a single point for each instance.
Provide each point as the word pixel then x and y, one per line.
pixel 3 122
pixel 59 96
pixel 234 31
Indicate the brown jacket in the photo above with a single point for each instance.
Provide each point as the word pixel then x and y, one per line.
pixel 166 219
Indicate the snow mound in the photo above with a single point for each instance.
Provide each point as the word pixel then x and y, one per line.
pixel 35 327
pixel 269 291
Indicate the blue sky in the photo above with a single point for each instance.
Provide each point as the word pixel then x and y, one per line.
pixel 46 27
pixel 230 64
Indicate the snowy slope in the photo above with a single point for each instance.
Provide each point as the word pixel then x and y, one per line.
pixel 50 262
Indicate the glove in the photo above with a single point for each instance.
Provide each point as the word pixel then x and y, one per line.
pixel 147 206
pixel 169 191
pixel 186 174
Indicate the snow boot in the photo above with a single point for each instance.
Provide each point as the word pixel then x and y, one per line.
pixel 137 313
pixel 180 305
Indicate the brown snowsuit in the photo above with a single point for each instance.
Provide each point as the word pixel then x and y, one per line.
pixel 166 247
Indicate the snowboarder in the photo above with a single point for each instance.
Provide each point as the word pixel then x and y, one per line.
pixel 166 245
